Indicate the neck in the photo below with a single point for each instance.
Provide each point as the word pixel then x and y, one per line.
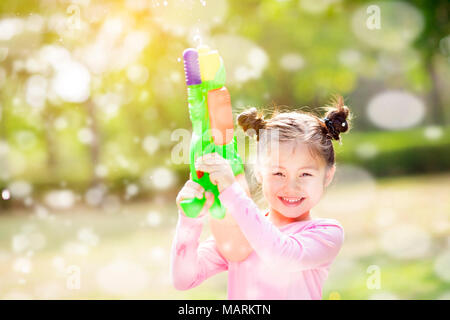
pixel 280 220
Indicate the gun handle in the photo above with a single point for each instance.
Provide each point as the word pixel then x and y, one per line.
pixel 192 207
pixel 217 209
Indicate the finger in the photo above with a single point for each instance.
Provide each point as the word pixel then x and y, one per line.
pixel 188 196
pixel 214 177
pixel 213 158
pixel 209 200
pixel 199 194
pixel 212 155
pixel 199 161
pixel 210 158
pixel 185 195
pixel 206 167
pixel 201 166
pixel 189 193
pixel 194 185
pixel 194 193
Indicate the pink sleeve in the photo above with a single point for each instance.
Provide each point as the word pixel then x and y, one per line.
pixel 314 247
pixel 192 263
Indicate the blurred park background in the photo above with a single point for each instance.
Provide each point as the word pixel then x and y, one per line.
pixel 91 92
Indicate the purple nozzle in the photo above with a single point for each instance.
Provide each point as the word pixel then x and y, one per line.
pixel 191 67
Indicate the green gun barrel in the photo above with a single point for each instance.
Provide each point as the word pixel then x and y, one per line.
pixel 205 79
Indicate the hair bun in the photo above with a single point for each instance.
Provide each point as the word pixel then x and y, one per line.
pixel 336 120
pixel 251 122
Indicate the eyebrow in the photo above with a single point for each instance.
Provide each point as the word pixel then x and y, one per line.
pixel 302 168
pixel 309 168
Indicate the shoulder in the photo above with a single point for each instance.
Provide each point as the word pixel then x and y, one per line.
pixel 324 222
pixel 317 222
pixel 323 226
pixel 330 228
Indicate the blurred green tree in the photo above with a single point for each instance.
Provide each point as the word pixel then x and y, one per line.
pixel 437 26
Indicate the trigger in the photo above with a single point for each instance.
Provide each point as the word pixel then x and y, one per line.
pixel 199 174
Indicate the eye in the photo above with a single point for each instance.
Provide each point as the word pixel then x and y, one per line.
pixel 306 175
pixel 280 174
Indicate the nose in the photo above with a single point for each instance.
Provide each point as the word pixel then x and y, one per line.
pixel 293 185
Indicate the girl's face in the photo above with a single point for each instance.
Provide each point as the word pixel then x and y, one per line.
pixel 293 181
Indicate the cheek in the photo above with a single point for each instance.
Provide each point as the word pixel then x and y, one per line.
pixel 271 186
pixel 314 189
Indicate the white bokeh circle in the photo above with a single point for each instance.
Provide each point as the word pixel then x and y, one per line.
pixel 406 241
pixel 395 110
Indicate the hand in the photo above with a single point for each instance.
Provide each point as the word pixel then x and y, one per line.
pixel 219 169
pixel 191 190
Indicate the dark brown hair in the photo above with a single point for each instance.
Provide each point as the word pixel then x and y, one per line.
pixel 302 126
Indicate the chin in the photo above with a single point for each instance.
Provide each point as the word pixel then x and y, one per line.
pixel 295 212
pixel 292 210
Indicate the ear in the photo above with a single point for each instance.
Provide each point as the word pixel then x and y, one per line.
pixel 329 175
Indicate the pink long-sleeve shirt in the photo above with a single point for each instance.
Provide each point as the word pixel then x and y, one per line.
pixel 290 262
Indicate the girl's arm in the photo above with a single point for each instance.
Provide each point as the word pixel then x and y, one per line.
pixel 192 263
pixel 230 240
pixel 315 247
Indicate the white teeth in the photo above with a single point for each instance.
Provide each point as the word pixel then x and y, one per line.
pixel 291 200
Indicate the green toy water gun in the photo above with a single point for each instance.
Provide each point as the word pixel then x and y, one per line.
pixel 212 123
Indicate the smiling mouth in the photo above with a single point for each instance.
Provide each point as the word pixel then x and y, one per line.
pixel 291 202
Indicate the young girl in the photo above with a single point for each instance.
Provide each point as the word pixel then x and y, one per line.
pixel 292 252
